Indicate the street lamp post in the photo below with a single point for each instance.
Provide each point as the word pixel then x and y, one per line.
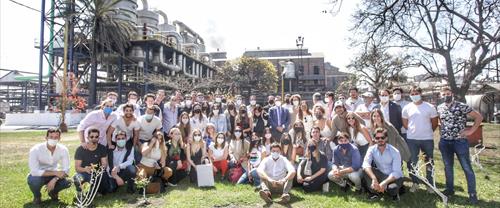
pixel 300 43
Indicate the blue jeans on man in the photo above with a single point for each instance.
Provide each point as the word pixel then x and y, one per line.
pixel 427 147
pixel 81 178
pixel 448 150
pixel 37 182
pixel 255 178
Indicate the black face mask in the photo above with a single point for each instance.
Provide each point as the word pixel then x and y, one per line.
pixel 285 141
pixel 197 111
pixel 271 102
pixel 311 148
pixel 223 100
pixel 319 116
pixel 298 129
pixel 448 99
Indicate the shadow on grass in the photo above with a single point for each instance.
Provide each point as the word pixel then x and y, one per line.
pixel 47 203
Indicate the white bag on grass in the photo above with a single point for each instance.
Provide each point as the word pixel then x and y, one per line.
pixel 205 175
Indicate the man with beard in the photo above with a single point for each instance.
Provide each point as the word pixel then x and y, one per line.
pixel 127 123
pixel 132 99
pixel 339 120
pixel 353 101
pixel 387 175
pixel 90 159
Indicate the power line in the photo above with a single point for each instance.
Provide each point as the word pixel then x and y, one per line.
pixel 26 6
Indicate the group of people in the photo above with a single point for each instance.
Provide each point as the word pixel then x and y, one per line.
pixel 349 140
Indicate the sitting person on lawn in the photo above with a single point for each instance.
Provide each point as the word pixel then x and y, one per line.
pixel 121 163
pixel 218 153
pixel 346 168
pixel 43 163
pixel 276 175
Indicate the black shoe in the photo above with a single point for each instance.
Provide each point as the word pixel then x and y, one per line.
pixel 448 193
pixel 53 196
pixel 402 190
pixel 373 196
pixel 222 178
pixel 395 197
pixel 345 188
pixel 473 199
pixel 37 201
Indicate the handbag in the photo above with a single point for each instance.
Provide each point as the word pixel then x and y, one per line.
pixel 205 175
pixel 235 174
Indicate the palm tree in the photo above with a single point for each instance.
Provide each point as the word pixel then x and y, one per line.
pixel 108 34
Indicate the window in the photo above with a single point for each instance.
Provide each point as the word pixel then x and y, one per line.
pixel 316 69
pixel 315 81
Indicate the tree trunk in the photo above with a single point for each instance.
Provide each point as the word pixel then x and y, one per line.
pixel 93 75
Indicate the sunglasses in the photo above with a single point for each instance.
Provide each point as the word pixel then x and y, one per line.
pixel 379 138
pixel 350 118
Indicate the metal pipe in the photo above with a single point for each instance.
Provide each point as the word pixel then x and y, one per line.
pixel 40 57
pixel 146 65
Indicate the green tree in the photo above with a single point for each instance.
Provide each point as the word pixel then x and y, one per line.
pixel 109 34
pixel 378 68
pixel 459 34
pixel 248 75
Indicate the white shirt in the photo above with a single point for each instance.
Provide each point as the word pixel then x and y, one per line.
pixel 118 156
pixel 385 111
pixel 276 170
pixel 120 125
pixel 41 159
pixel 147 128
pixel 363 108
pixel 197 124
pixel 351 104
pixel 151 159
pixel 419 120
pixel 218 153
pixel 96 119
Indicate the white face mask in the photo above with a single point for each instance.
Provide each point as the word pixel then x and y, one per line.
pixel 296 103
pixel 148 117
pixel 216 111
pixel 218 100
pixel 238 102
pixel 327 100
pixel 237 134
pixel 132 101
pixel 268 136
pixel 197 138
pixel 384 99
pixel 52 142
pixel 188 102
pixel 277 103
pixel 415 98
pixel 275 155
pixel 185 120
pixel 253 102
pixel 121 143
pixel 220 140
pixel 397 97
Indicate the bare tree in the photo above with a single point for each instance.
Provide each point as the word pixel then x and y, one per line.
pixel 378 68
pixel 459 34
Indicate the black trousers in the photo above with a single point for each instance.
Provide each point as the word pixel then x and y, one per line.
pixel 392 188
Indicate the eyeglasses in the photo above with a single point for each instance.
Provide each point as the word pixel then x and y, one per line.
pixel 379 138
pixel 93 137
pixel 350 118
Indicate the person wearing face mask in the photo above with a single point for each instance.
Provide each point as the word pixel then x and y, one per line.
pixel 287 102
pixel 196 153
pixel 254 159
pixel 148 124
pixel 231 114
pixel 238 149
pixel 94 157
pixel 184 126
pixel 186 105
pixel 286 145
pixel 177 159
pixel 100 119
pixel 386 175
pixel 391 110
pixel 218 118
pixel 321 122
pixel 339 121
pixel 329 104
pixel 127 123
pixel 170 115
pixel 421 119
pixel 279 118
pixel 244 121
pixel 268 140
pixel 453 116
pixel 252 103
pixel 198 119
pixel 209 134
pixel 238 101
pixel 312 171
pixel 132 100
pixel 154 159
pixel 397 97
pixel 270 103
pixel 342 98
pixel 218 153
pixel 299 141
pixel 121 163
pixel 49 165
pixel 113 96
pixel 276 175
pixel 295 111
pixel 259 120
pixel 346 164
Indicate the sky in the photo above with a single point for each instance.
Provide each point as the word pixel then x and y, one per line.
pixel 230 25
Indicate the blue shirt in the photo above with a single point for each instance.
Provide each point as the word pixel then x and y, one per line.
pixel 169 117
pixel 352 158
pixel 388 162
pixel 220 122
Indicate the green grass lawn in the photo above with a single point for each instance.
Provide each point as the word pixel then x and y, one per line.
pixel 14 191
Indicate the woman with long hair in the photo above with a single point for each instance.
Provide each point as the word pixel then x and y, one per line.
pixel 238 149
pixel 295 110
pixel 259 120
pixel 218 154
pixel 286 145
pixel 393 137
pixel 177 159
pixel 154 157
pixel 198 119
pixel 244 121
pixel 312 172
pixel 231 114
pixel 184 126
pixel 324 124
pixel 359 134
pixel 210 134
pixel 299 141
pixel 267 141
pixel 218 118
pixel 196 153
pixel 254 159
pixel 306 117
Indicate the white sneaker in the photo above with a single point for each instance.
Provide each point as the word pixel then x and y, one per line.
pixel 430 190
pixel 326 187
pixel 414 188
pixel 171 184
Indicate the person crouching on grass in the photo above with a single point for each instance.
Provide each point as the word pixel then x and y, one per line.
pixel 44 159
pixel 121 163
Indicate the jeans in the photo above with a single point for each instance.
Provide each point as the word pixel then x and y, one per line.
pixel 255 177
pixel 128 175
pixel 461 148
pixel 37 182
pixel 81 178
pixel 427 146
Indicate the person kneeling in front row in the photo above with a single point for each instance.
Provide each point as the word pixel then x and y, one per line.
pixel 276 174
pixel 121 163
pixel 387 176
pixel 346 164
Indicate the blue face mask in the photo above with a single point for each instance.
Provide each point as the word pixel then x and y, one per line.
pixel 121 143
pixel 344 146
pixel 415 98
pixel 108 110
pixel 148 117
